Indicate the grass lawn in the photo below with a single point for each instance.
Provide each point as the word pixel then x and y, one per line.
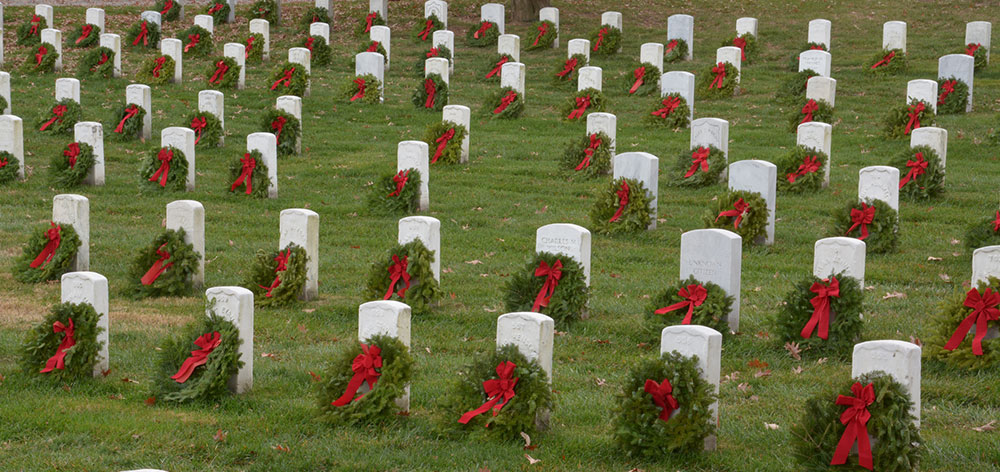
pixel 489 210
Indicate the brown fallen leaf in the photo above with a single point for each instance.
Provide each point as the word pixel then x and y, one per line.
pixel 821 360
pixel 601 382
pixel 945 277
pixel 955 242
pixel 763 335
pixel 308 310
pixel 986 427
pixel 268 354
pixel 474 262
pixel 532 460
pixel 915 340
pixel 116 396
pixel 762 373
pixel 794 351
pixel 150 401
pixel 797 370
pixel 772 426
pixel 104 373
pixel 757 364
pixel 302 328
pixel 128 380
pixel 527 442
pixel 315 377
pixel 933 259
pixel 279 447
pixel 743 387
pixel 220 435
pixel 889 295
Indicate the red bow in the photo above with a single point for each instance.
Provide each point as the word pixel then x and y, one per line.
pixel 856 417
pixel 282 260
pixel 57 111
pixel 432 53
pixel 499 65
pixel 198 123
pixel 157 269
pixel 361 88
pixel 207 342
pixel 623 194
pixel 818 47
pixel 740 208
pixel 720 74
pixel 862 217
pixel 482 29
pixel 541 32
pixel 505 102
pixel 581 106
pixel 552 276
pixel 193 40
pixel 809 164
pixel 158 65
pixel 638 73
pixel 569 67
pixel 373 47
pixel 917 167
pixel 286 78
pixel 442 142
pixel 167 6
pixel 947 88
pixel 246 52
pixel 915 111
pixel 42 51
pixel 971 48
pixel 278 125
pixel 820 319
pixel 699 158
pixel 369 19
pixel 84 33
pixel 104 58
pixel 58 361
pixel 742 44
pixel 3 162
pixel 400 179
pixel 363 366
pixel 661 393
pixel 996 222
pixel 396 271
pixel 309 43
pixel 669 105
pixel 595 142
pixel 35 21
pixel 215 9
pixel 499 391
pixel 130 111
pixel 600 38
pixel 427 30
pixel 885 60
pixel 671 45
pixel 165 156
pixel 694 295
pixel 71 152
pixel 246 173
pixel 984 310
pixel 54 235
pixel 430 89
pixel 143 35
pixel 808 110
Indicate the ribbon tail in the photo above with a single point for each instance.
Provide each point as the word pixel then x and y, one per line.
pixel 635 86
pixel 977 340
pixel 392 283
pixel 478 411
pixel 57 361
pixel 844 446
pixel 187 368
pixel 352 389
pixel 864 446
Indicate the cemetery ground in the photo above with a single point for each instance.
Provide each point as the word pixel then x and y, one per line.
pixel 489 210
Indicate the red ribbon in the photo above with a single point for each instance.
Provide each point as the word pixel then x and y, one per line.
pixel 541 32
pixel 569 67
pixel 809 164
pixel 433 53
pixel 971 48
pixel 426 31
pixel 431 89
pixel 57 112
pixel 984 310
pixel 165 156
pixel 84 33
pixel 442 142
pixel 369 19
pixel 400 179
pixel 58 361
pixel 623 194
pixel 595 142
pixel 246 52
pixel 361 88
pixel 808 109
pixel 638 73
pixel 863 218
pixel 818 47
pixel 915 111
pixel 35 21
pixel 396 271
pixel 282 260
pixel 246 173
pixel 104 58
pixel 505 102
pixel 739 210
pixel 373 47
pixel 720 74
pixel 71 152
pixel 742 44
pixel 552 276
pixel 670 46
pixel 581 106
pixel 215 9
pixel 363 366
pixel 856 417
pixel 193 40
pixel 54 235
pixel 130 111
pixel 3 162
pixel 496 70
pixel 207 342
pixel 947 88
pixel 917 167
pixel 277 125
pixel 159 65
pixel 669 105
pixel 699 158
pixel 499 391
pixel 198 123
pixel 482 29
pixel 42 51
pixel 694 295
pixel 157 269
pixel 885 60
pixel 167 6
pixel 820 320
pixel 996 222
pixel 286 78
pixel 661 393
pixel 143 35
pixel 600 38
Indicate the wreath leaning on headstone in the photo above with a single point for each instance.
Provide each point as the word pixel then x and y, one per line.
pixel 61 118
pixel 747 44
pixel 795 87
pixel 501 394
pixel 801 169
pixel 254 48
pixel 371 46
pixel 822 315
pixel 223 73
pixel 3 104
pixel 568 72
pixel 872 221
pixel 445 140
pixel 276 277
pixel 383 364
pixel 197 41
pixel 922 175
pixel 624 206
pixel 169 10
pixel 362 89
pixel 372 18
pixel 267 10
pixel 315 15
pixel 64 345
pixel 546 35
pixel 664 408
pixel 143 34
pixel 164 268
pixel 894 440
pixel 157 71
pixel 320 52
pixel 740 211
pixel 953 96
pixel 670 111
pixel 701 166
pixel 48 254
pixel 978 52
pixel 887 62
pixel 590 155
pixel 482 34
pixel 902 120
pixel 582 102
pixel 719 81
pixel 182 374
pixel 436 51
pixel 493 67
pixel 404 274
pixel 84 36
pixel 289 79
pixel 97 63
pixel 675 50
pixel 396 194
pixel 9 167
pixel 219 9
pixel 605 41
pixel 552 284
pixel 984 232
pixel 41 59
pixel 690 302
pixel 431 94
pixel 285 127
pixel 30 32
pixel 507 103
pixel 958 320
pixel 793 60
pixel 644 80
pixel 164 168
pixel 207 128
pixel 126 122
pixel 424 31
pixel 248 175
pixel 813 110
pixel 70 167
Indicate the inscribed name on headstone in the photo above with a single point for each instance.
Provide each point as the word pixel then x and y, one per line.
pixel 879 183
pixel 899 359
pixel 567 239
pixel 839 254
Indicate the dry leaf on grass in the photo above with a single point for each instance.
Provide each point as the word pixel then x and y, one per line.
pixel 762 373
pixel 793 350
pixel 220 435
pixel 772 426
pixel 945 277
pixel 527 442
pixel 797 370
pixel 933 259
pixel 743 387
pixel 889 295
pixel 279 447
pixel 531 460
pixel 986 427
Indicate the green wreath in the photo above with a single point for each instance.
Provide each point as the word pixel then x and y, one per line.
pixel 163 76
pixel 822 114
pixel 210 134
pixel 290 131
pixel 845 317
pixel 610 43
pixel 320 53
pixel 379 403
pixel 638 428
pixel 896 443
pixel 600 158
pixel 899 117
pixel 10 166
pixel 929 184
pixel 419 34
pixel 700 177
pixel 315 15
pixel 295 84
pixel 883 231
pixel 131 128
pixel 676 54
pixel 568 300
pixel 420 94
pixel 372 46
pixel 979 55
pixel 61 261
pixel 495 101
pixel 219 11
pixel 363 28
pixel 570 75
pixel 62 175
pixel 42 342
pixel 405 203
pixel 254 54
pixel 793 61
pixel 352 88
pixel 44 65
pixel 437 51
pixel 895 65
pixel 424 290
pixel 801 169
pixel 728 87
pixel 92 38
pixel 3 105
pixel 977 235
pixel 749 49
pixel 204 45
pixel 546 40
pixel 943 324
pixel 259 180
pixel 62 125
pixel 487 37
pixel 24 35
pixel 97 63
pixel 953 102
pixel 636 216
pixel 596 103
pixel 678 118
pixel 712 312
pixel 230 79
pixel 169 9
pixel 493 64
pixel 994 136
pixel 532 396
pixel 208 382
pixel 175 281
pixel 795 87
pixel 152 39
pixel 452 152
pixel 263 274
pixel 650 80
pixel 752 226
pixel 265 9
pixel 176 175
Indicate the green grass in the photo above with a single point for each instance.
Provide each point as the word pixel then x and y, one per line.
pixel 489 210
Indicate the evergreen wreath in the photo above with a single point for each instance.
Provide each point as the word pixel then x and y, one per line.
pixel 3 104
pixel 899 117
pixel 254 48
pixel 201 48
pixel 845 317
pixel 984 232
pixel 929 183
pixel 793 61
pixel 37 61
pixel 532 395
pixel 677 53
pixel 219 9
pixel 76 38
pixel 230 79
pixel 28 37
pixel 289 79
pixel 753 224
pixel 994 136
pixel 406 202
pixel 491 70
pixel 596 104
pixel 131 128
pixel 482 34
pixel 606 43
pixel 423 291
pixel 978 54
pixel 943 325
pixel 208 382
pixel 636 215
pixel 97 63
pixel 495 103
pixel 61 261
pixel 661 113
pixel 263 274
pixel 568 72
pixel 364 26
pixel 749 48
pixel 259 181
pixel 424 30
pixel 176 175
pixel 9 167
pixel 712 312
pixel 60 125
pixel 896 443
pixel 420 94
pixel 210 134
pixel 320 52
pixel 638 428
pixel 795 87
pixel 599 161
pixel 289 133
pixel 175 281
pixel 801 169
pixel 148 73
pixel 377 404
pixel 954 101
pixel 887 62
pixel 569 298
pixel 728 84
pixel 699 175
pixel 265 9
pixel 150 41
pixel 883 231
pixel 542 40
pixel 452 151
pixel 352 88
pixel 315 15
pixel 436 51
pixel 65 172
pixel 822 114
pixel 42 343
pixel 169 9
pixel 650 80
pixel 373 46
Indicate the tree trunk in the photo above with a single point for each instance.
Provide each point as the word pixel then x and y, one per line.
pixel 527 10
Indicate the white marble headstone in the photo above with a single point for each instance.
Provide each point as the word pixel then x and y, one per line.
pixel 822 88
pixel 437 65
pixel 644 167
pixel 714 255
pixel 652 53
pixel 114 43
pixel 236 305
pixel 923 90
pixel 818 136
pixel 711 132
pixel 532 333
pixel 819 32
pixel 447 39
pixel 262 27
pixel 183 139
pixel 74 210
pixel 237 52
pixel 12 139
pixel 589 77
pixel 381 6
pixel 5 91
pixel 322 30
pixel 567 239
pixel 894 35
pixel 606 123
pixel 174 48
pixel 54 37
pixel 438 8
pixel 428 231
pixel 899 359
pixel 154 17
pixel 45 11
pixel 390 318
pixel 879 183
pixel 67 88
pixel 138 94
pixel 293 106
pixel 746 25
pixel 460 115
pixel 961 67
pixel 612 18
pixel 551 14
pixel 936 138
pixel 578 46
pixel 190 215
pixel 839 254
pixel 371 63
pixel 414 155
pixel 494 13
pixel 214 102
pixel 92 133
pixel 682 83
pixel 303 57
pixel 682 27
pixel 979 32
pixel 512 75
pixel 90 288
pixel 205 21
pixel 759 177
pixel 301 227
pixel 383 35
pixel 985 264
pixel 732 55
pixel 816 60
pixel 706 344
pixel 267 145
pixel 510 44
